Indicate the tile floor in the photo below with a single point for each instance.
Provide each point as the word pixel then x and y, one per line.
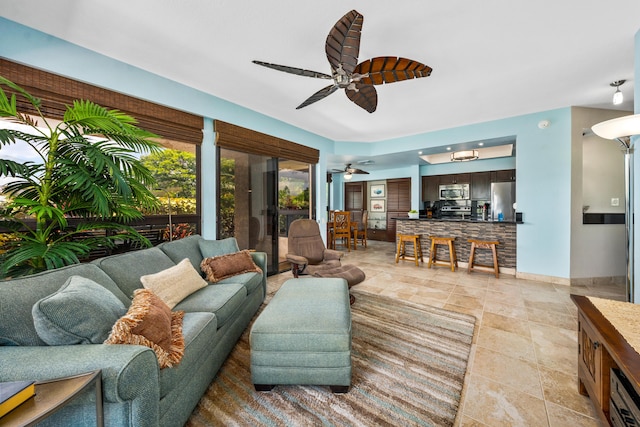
pixel 523 364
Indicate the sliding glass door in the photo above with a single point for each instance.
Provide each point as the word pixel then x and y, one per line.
pixel 258 197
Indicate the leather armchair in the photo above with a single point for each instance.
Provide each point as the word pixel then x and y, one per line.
pixel 307 252
pixel 308 255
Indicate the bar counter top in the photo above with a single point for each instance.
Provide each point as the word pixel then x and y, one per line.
pixel 424 218
pixel 463 230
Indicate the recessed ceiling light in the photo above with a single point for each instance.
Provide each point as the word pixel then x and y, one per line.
pixel 448 148
pixel 419 152
pixel 480 144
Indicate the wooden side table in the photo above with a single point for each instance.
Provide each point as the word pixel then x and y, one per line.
pixel 53 395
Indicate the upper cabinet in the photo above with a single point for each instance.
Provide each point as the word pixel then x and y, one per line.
pixel 481 186
pixel 430 188
pixel 479 183
pixel 503 175
pixel 458 178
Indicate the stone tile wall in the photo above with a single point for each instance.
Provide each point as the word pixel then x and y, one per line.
pixel 503 232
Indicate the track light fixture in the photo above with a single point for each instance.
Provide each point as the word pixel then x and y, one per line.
pixel 617 95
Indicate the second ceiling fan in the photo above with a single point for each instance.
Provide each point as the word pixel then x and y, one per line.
pixel 342 48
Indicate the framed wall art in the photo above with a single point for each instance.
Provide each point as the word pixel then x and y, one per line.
pixel 377 205
pixel 377 190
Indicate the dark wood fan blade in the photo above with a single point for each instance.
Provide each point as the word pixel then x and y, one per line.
pixel 322 93
pixel 343 42
pixel 358 171
pixel 389 69
pixel 364 95
pixel 293 70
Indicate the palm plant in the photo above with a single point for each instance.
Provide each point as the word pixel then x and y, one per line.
pixel 89 170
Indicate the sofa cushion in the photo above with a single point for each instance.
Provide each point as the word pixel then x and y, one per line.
pixel 199 330
pixel 150 322
pixel 249 280
pixel 224 266
pixel 80 312
pixel 210 248
pixel 175 283
pixel 180 249
pixel 221 300
pixel 126 269
pixel 16 320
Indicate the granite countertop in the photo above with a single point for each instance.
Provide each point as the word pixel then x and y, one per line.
pixel 424 218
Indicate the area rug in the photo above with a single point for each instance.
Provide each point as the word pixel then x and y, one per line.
pixel 408 367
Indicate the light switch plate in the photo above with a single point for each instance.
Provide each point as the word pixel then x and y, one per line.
pixel 615 201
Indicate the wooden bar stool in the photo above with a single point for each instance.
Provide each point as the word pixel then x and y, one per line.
pixel 401 253
pixel 483 244
pixel 453 259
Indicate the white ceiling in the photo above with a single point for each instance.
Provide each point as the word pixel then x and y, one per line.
pixel 491 59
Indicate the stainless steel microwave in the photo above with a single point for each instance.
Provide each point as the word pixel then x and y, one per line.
pixel 454 192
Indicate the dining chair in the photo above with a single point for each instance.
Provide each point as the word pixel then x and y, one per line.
pixel 361 230
pixel 342 228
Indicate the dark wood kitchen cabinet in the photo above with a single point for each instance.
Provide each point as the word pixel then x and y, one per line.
pixel 430 186
pixel 458 178
pixel 503 175
pixel 481 186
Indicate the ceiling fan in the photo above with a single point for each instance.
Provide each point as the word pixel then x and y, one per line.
pixel 349 170
pixel 342 48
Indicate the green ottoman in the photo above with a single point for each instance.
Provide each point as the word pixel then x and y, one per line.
pixel 303 336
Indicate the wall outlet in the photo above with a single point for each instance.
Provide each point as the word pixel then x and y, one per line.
pixel 615 201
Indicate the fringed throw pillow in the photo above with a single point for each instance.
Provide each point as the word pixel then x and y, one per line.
pixel 150 322
pixel 221 267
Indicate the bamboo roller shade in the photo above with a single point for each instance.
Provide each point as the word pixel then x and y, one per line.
pixel 249 141
pixel 56 92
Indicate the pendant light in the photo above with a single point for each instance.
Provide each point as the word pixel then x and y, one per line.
pixel 617 95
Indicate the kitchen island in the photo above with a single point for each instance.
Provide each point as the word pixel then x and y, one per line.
pixel 464 229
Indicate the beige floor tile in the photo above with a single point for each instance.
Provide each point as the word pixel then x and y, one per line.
pixel 505 309
pixel 563 417
pixel 562 389
pixel 508 343
pixel 466 301
pixel 497 405
pixel 517 373
pixel 552 318
pixel 469 422
pixel 505 323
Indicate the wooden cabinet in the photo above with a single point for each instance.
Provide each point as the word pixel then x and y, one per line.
pixel 601 348
pixel 353 196
pixel 458 178
pixel 503 175
pixel 398 203
pixel 481 186
pixel 430 188
pixel 377 234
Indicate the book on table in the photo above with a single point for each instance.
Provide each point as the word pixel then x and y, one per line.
pixel 13 393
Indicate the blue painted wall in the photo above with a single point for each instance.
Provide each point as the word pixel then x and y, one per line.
pixel 543 156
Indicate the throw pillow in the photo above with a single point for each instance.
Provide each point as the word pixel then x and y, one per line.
pixel 211 248
pixel 150 322
pixel 80 312
pixel 221 267
pixel 174 284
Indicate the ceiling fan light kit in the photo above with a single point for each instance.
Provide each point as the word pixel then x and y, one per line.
pixel 342 49
pixel 464 156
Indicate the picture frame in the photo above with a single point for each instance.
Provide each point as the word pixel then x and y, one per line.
pixel 377 205
pixel 377 191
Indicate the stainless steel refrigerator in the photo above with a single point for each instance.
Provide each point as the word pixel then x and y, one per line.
pixel 503 196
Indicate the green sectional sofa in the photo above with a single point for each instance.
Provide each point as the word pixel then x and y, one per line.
pixel 136 392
